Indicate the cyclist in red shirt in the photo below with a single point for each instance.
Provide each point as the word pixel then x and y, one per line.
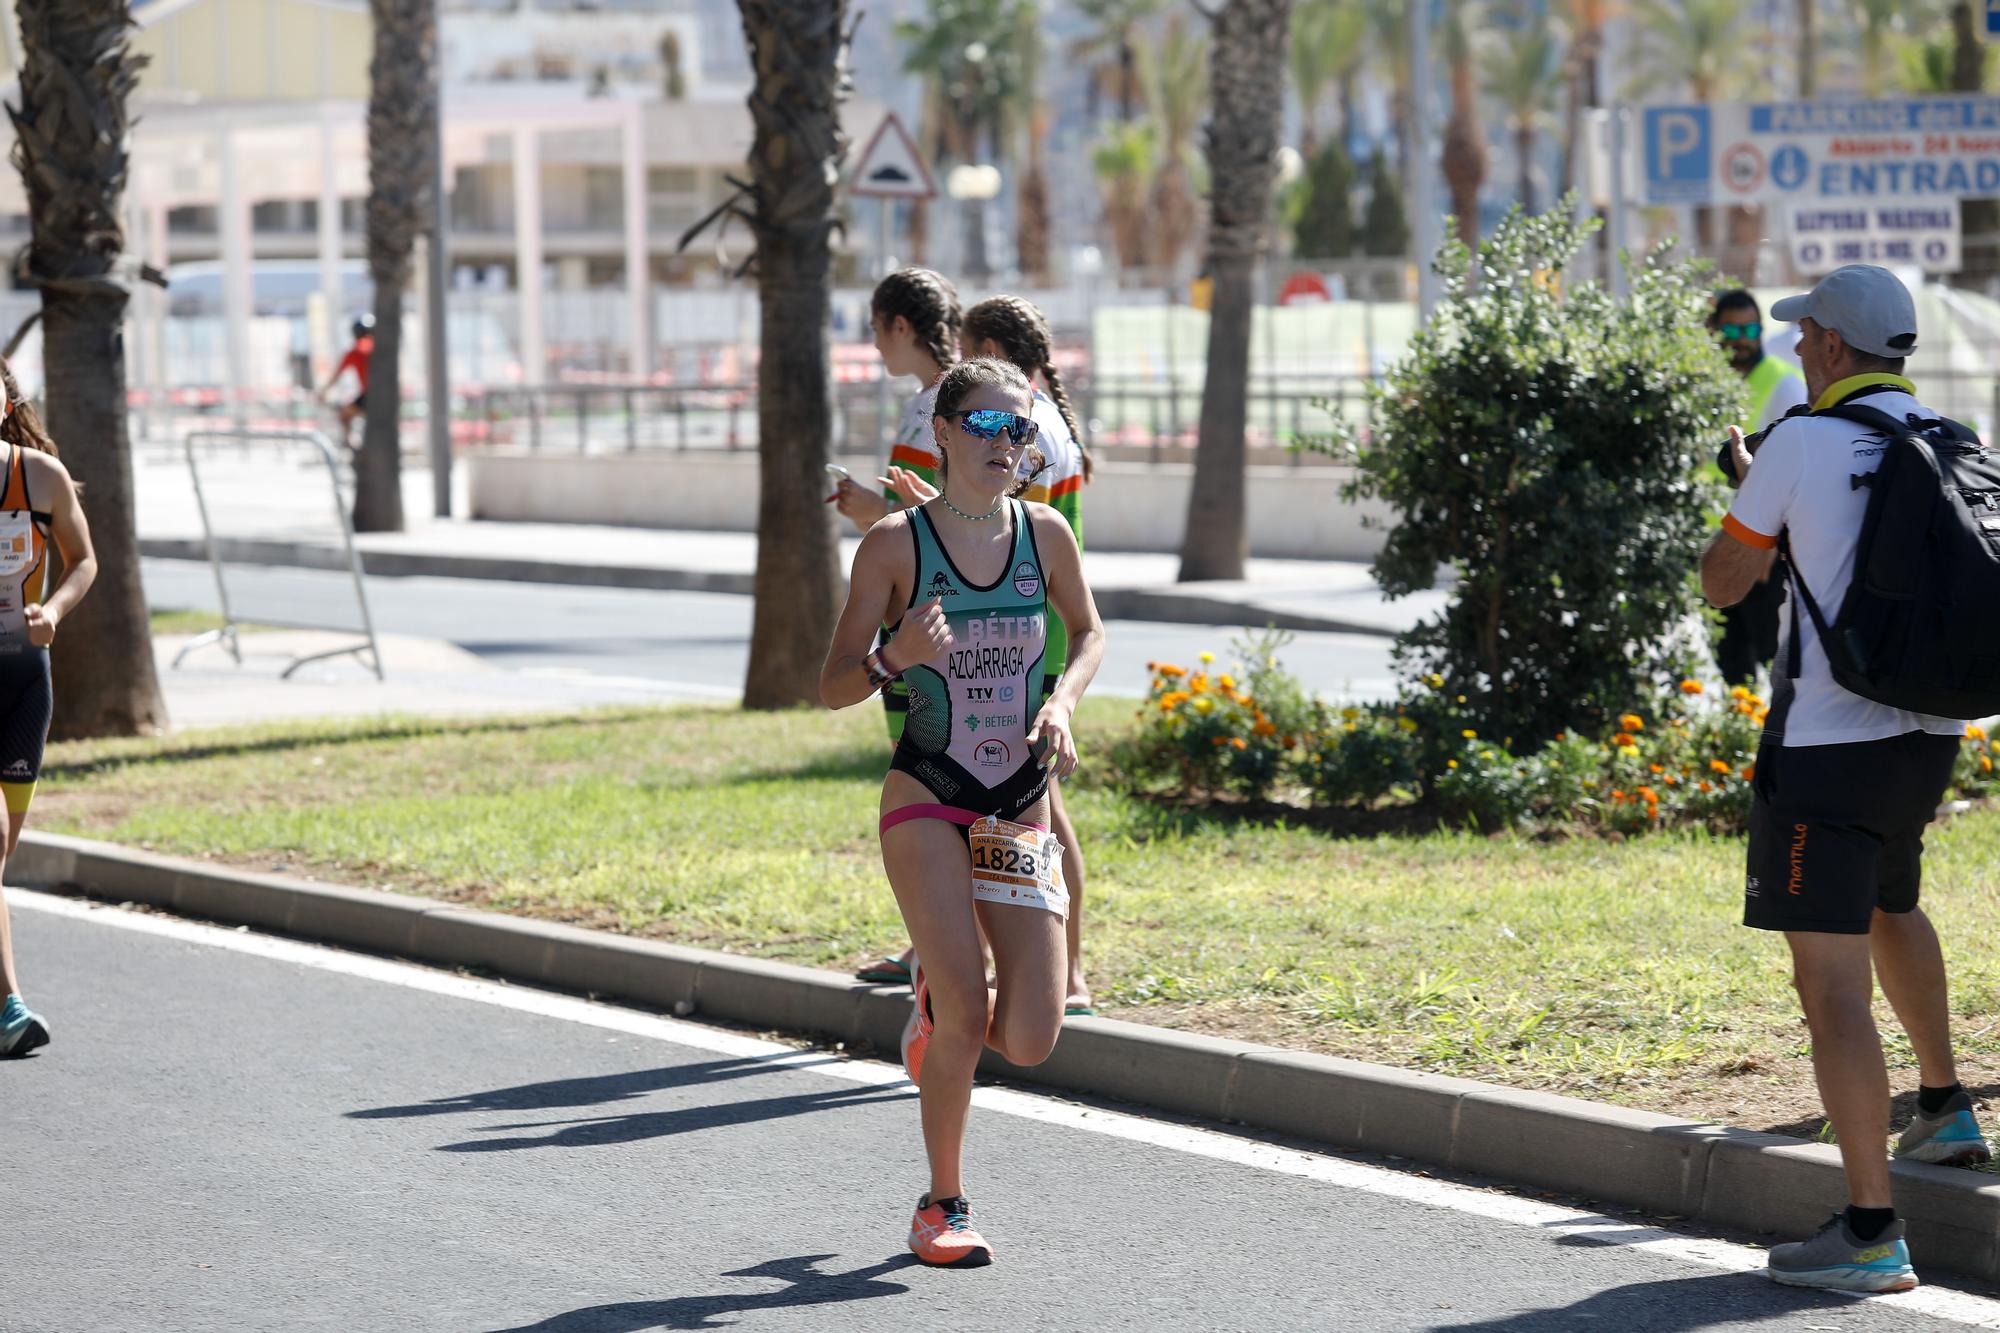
pixel 357 359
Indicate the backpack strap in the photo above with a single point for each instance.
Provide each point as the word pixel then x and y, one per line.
pixel 1795 651
pixel 1874 418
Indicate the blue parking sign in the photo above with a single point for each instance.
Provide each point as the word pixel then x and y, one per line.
pixel 1680 163
pixel 1993 18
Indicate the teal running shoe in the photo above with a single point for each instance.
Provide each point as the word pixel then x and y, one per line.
pixel 1838 1260
pixel 21 1028
pixel 1949 1138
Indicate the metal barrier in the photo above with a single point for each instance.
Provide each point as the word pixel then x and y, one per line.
pixel 228 635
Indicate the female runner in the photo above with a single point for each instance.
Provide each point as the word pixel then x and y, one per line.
pixel 968 581
pixel 38 503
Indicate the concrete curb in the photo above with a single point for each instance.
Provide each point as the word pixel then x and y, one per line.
pixel 1728 1177
pixel 1164 605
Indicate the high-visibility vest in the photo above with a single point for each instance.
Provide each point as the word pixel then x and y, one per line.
pixel 1768 375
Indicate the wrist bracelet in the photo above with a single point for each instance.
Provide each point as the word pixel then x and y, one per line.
pixel 877 670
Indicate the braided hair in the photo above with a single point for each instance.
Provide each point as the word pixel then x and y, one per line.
pixel 929 301
pixel 22 425
pixel 1022 333
pixel 958 384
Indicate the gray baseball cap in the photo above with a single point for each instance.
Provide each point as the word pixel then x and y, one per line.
pixel 1867 306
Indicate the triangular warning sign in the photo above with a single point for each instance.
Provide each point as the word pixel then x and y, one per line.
pixel 890 166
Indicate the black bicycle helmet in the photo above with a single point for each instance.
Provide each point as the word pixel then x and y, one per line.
pixel 363 325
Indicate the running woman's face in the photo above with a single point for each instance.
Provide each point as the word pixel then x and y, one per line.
pixel 896 341
pixel 984 467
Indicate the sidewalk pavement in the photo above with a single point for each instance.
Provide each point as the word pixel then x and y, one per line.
pixel 274 514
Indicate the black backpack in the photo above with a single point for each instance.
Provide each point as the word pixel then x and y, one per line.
pixel 1919 628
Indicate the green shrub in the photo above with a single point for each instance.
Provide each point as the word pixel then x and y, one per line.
pixel 1204 733
pixel 1544 444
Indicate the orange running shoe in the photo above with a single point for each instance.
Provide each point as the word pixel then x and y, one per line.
pixel 941 1234
pixel 917 1032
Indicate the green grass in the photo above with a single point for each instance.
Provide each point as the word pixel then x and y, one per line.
pixel 1607 969
pixel 192 622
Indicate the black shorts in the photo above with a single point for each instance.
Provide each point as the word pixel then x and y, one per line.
pixel 1837 831
pixel 27 702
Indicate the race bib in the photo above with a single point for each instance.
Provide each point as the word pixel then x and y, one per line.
pixel 17 542
pixel 1013 863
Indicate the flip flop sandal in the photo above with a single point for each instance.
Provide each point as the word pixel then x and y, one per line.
pixel 890 971
pixel 1079 1011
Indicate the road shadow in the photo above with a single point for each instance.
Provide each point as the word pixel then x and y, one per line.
pixel 594 1090
pixel 1672 1305
pixel 805 1286
pixel 600 1131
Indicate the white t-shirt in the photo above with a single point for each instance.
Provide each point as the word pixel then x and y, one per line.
pixel 1064 472
pixel 915 444
pixel 1802 483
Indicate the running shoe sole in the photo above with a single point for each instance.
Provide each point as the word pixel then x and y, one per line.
pixel 1965 1152
pixel 1845 1279
pixel 973 1258
pixel 33 1038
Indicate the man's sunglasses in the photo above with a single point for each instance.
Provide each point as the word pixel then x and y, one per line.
pixel 1733 332
pixel 986 423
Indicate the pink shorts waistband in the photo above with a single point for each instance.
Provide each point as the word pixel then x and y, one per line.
pixel 950 814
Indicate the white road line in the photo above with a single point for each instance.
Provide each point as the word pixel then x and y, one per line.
pixel 1550 1219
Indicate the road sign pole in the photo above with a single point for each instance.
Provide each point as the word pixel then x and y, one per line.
pixel 1621 213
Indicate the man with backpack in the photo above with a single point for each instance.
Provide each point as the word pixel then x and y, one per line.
pixel 1889 519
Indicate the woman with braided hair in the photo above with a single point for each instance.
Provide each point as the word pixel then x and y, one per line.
pixel 1013 329
pixel 38 504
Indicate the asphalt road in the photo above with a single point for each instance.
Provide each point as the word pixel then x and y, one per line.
pixel 232 1132
pixel 699 639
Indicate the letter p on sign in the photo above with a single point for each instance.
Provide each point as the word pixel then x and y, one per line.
pixel 1679 161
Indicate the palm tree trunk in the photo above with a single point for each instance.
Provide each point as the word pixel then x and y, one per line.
pixel 1808 53
pixel 402 120
pixel 797 50
pixel 1031 223
pixel 1248 64
pixel 1464 150
pixel 72 141
pixel 1981 216
pixel 1524 149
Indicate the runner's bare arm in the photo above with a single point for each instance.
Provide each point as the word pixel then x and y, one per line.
pixel 72 533
pixel 1069 597
pixel 870 591
pixel 1731 567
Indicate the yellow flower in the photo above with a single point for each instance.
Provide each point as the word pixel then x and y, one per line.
pixel 1739 692
pixel 1690 687
pixel 1976 733
pixel 1436 681
pixel 1469 734
pixel 1206 658
pixel 1204 704
pixel 1985 763
pixel 1228 684
pixel 1407 723
pixel 1347 726
pixel 1632 722
pixel 1350 714
pixel 1629 751
pixel 1451 763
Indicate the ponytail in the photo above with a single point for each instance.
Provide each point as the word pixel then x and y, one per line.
pixel 929 302
pixel 1022 333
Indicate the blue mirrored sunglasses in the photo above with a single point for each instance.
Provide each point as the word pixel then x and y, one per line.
pixel 986 423
pixel 1734 331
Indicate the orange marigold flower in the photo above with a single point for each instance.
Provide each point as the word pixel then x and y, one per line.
pixel 1624 739
pixel 1657 768
pixel 1749 772
pixel 1219 741
pixel 1739 692
pixel 1239 742
pixel 1226 683
pixel 1172 672
pixel 1976 733
pixel 1632 722
pixel 1562 735
pixel 1618 797
pixel 1649 796
pixel 1985 764
pixel 1691 687
pixel 1708 786
pixel 1263 729
pixel 1718 766
pixel 1288 741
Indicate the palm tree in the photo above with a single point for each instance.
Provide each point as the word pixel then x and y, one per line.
pixel 1032 226
pixel 1247 63
pixel 970 48
pixel 1807 20
pixel 1583 23
pixel 1329 42
pixel 1523 74
pixel 1464 141
pixel 1113 45
pixel 1176 82
pixel 1699 45
pixel 1123 161
pixel 798 55
pixel 1389 32
pixel 1882 22
pixel 71 145
pixel 402 123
